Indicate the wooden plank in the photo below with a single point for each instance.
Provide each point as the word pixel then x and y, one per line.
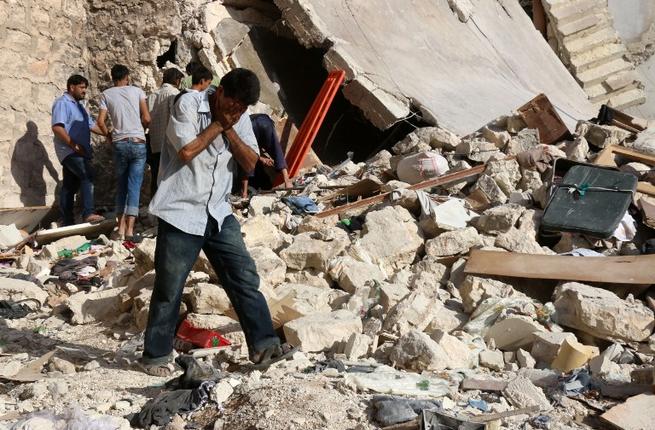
pixel 85 229
pixel 530 410
pixel 484 384
pixel 637 413
pixel 441 180
pixel 630 269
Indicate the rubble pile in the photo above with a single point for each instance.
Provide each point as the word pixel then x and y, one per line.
pixel 390 320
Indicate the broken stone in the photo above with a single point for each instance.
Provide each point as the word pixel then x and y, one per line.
pixel 60 365
pixel 415 311
pixel 577 150
pixel 391 237
pixel 209 299
pixel 514 332
pixel 18 289
pixel 525 140
pixel 144 254
pixel 304 299
pixel 410 144
pixel 418 352
pixel 516 240
pixel 321 331
pixel 309 277
pixel 101 305
pixel 314 250
pixel 500 138
pixel 525 360
pixel 260 231
pixel 477 150
pixel 604 364
pixel 9 236
pixel 601 136
pixel 546 345
pixel 499 219
pixel 357 346
pixel 70 242
pixel 271 268
pixel 446 319
pixel 261 205
pixel 515 124
pixel 351 274
pixel 522 393
pixel 438 138
pixel 506 173
pixel 490 190
pixel 492 359
pixel 602 313
pixel 453 242
pixel 390 294
pixel 530 181
pixel 474 290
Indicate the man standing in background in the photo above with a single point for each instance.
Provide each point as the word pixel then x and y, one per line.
pixel 126 106
pixel 72 126
pixel 159 104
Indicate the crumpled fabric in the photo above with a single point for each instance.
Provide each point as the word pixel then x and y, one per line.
pixel 160 410
pixel 539 159
pixel 195 373
pixel 77 271
pixel 301 205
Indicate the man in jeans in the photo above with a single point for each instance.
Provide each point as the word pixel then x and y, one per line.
pixel 127 108
pixel 72 127
pixel 160 104
pixel 208 134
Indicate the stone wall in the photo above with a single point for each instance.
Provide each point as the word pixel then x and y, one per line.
pixel 41 44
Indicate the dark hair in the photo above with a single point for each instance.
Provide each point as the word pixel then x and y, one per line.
pixel 193 65
pixel 199 74
pixel 119 72
pixel 172 75
pixel 241 84
pixel 76 80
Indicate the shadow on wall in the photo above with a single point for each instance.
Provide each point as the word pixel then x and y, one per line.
pixel 28 161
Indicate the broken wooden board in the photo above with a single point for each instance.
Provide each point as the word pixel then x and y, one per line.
pixel 43 237
pixel 637 413
pixel 483 384
pixel 24 218
pixel 363 188
pixel 539 113
pixel 630 269
pixel 606 158
pixel 441 180
pixel 31 372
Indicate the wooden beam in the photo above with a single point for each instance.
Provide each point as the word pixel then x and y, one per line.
pixel 441 180
pixel 606 158
pixel 630 269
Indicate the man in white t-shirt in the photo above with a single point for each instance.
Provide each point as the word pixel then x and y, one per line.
pixel 126 106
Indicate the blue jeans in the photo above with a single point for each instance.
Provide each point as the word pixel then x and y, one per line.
pixel 130 161
pixel 78 175
pixel 175 255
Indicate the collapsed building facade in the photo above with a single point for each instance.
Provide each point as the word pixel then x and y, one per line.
pixel 444 300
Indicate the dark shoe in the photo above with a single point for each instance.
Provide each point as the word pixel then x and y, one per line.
pixel 271 355
pixel 135 238
pixel 94 219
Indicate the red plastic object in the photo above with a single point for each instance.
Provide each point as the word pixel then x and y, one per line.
pixel 200 337
pixel 312 123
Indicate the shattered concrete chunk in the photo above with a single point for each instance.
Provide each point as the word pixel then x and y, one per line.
pixel 601 136
pixel 525 360
pixel 499 219
pixel 9 236
pixel 390 294
pixel 498 137
pixel 357 346
pixel 474 290
pixel 261 205
pixel 525 140
pixel 477 150
pixel 391 237
pixel 522 393
pixel 321 331
pixel 446 319
pixel 438 138
pixel 602 313
pixel 453 242
pixel 351 274
pixel 260 231
pixel 490 190
pixel 103 305
pixel 514 332
pixel 18 289
pixel 506 173
pixel 492 359
pixel 416 310
pixel 546 345
pixel 314 250
pixel 304 299
pixel 208 298
pixel 311 277
pixel 530 180
pixel 418 352
pixel 577 150
pixel 271 268
pixel 517 240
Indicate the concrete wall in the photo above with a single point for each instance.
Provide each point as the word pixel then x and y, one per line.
pixel 632 18
pixel 41 44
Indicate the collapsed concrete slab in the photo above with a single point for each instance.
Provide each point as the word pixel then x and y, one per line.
pixel 442 65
